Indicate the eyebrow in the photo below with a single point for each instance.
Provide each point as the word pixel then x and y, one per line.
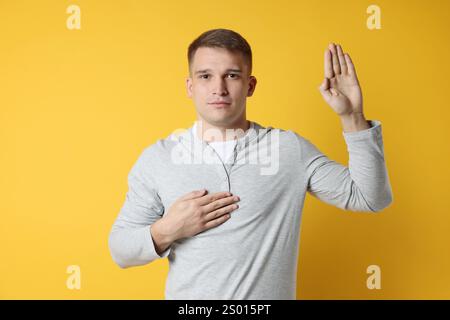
pixel 228 70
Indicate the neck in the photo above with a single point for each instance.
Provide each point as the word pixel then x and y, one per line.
pixel 209 132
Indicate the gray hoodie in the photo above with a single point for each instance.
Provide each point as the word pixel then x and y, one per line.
pixel 254 254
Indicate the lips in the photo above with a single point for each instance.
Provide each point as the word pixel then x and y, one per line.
pixel 220 103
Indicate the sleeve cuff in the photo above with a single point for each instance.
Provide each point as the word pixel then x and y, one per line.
pixel 149 246
pixel 373 131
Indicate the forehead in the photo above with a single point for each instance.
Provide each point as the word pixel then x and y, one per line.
pixel 217 58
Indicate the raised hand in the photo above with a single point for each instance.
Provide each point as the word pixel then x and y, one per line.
pixel 340 87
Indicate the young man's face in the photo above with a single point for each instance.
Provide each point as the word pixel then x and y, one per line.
pixel 220 76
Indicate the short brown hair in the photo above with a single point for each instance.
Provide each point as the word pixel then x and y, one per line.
pixel 222 38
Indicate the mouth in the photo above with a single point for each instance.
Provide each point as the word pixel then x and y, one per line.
pixel 220 104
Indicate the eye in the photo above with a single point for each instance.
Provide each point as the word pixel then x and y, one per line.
pixel 233 75
pixel 204 76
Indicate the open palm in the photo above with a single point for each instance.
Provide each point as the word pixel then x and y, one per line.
pixel 340 87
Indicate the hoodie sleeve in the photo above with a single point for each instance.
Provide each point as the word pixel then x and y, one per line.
pixel 130 241
pixel 363 185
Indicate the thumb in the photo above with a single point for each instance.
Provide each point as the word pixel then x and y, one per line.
pixel 324 84
pixel 324 89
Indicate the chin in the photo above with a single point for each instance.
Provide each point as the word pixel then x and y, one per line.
pixel 219 121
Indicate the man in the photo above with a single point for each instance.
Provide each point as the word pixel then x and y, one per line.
pixel 206 199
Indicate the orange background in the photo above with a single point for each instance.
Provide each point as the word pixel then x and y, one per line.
pixel 77 107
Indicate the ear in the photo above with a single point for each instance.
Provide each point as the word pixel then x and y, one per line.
pixel 189 87
pixel 251 86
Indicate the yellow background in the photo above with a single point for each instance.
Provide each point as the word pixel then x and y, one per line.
pixel 77 107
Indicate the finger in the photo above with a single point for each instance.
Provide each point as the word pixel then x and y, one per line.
pixel 216 222
pixel 334 92
pixel 212 197
pixel 220 203
pixel 219 212
pixel 341 58
pixel 193 194
pixel 328 64
pixel 350 66
pixel 335 60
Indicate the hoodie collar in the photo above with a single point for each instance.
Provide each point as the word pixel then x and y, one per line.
pixel 250 135
pixel 189 140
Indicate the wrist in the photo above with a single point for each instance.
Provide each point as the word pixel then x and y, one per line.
pixel 354 122
pixel 162 239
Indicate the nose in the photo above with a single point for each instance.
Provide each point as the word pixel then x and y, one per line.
pixel 220 87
